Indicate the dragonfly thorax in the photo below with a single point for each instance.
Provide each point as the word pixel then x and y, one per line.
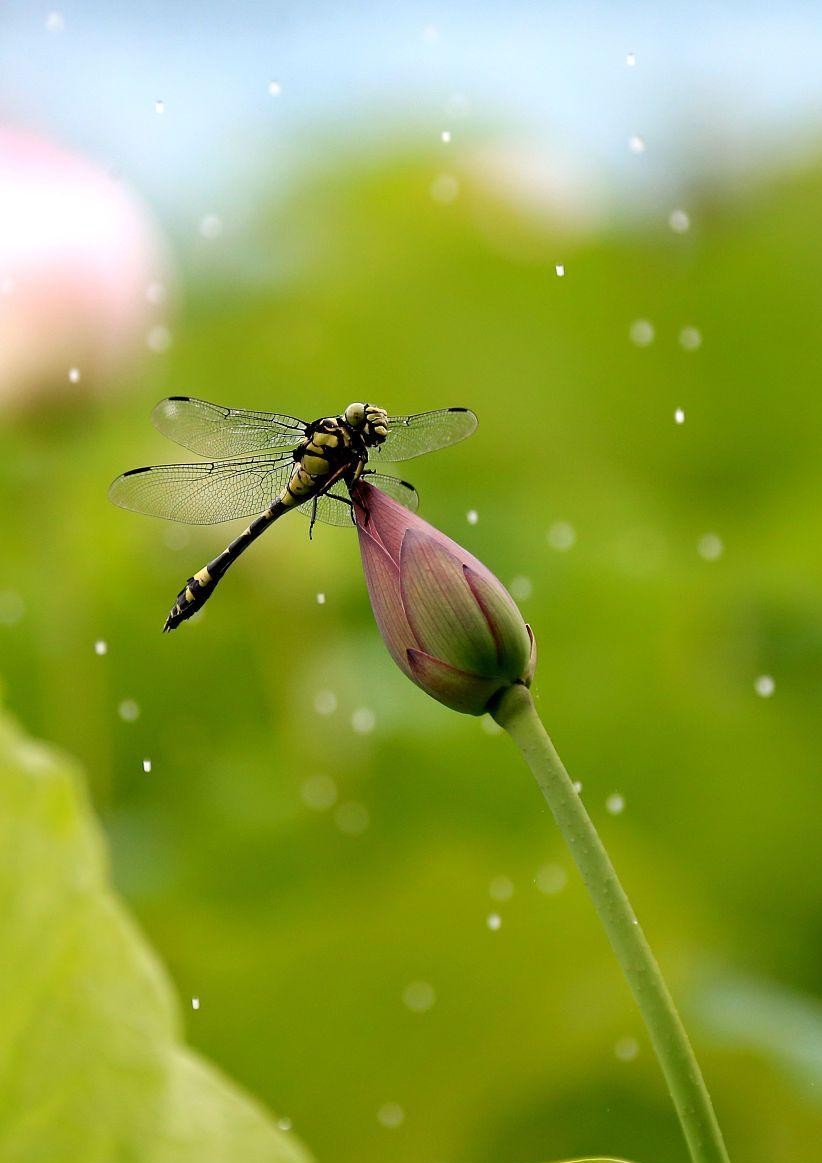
pixel 368 421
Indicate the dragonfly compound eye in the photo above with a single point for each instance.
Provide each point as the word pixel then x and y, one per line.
pixel 355 415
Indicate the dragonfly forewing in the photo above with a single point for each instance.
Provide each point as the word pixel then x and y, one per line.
pixel 410 436
pixel 215 431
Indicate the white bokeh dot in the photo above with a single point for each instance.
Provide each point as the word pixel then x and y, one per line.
pixel 764 686
pixel 319 792
pixel 710 547
pixel 391 1115
pixel 641 332
pixel 419 996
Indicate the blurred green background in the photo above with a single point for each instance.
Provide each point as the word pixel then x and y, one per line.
pixel 317 848
pixel 301 929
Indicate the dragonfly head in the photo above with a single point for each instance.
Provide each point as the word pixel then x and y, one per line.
pixel 369 421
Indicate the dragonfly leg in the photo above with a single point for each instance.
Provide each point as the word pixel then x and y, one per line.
pixel 313 519
pixel 361 505
pixel 345 501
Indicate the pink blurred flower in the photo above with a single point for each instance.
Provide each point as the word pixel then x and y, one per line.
pixel 448 623
pixel 77 254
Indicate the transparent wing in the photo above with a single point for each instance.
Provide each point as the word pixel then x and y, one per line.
pixel 332 508
pixel 206 493
pixel 335 509
pixel 210 430
pixel 410 436
pixel 395 488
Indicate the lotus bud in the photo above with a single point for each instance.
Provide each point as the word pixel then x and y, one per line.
pixel 448 623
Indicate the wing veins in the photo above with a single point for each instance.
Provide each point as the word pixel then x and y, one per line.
pixel 220 432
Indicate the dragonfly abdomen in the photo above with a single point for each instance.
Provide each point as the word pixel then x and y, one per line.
pixel 312 468
pixel 199 588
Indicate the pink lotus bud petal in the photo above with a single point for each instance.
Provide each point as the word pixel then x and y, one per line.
pixel 383 581
pixel 459 690
pixel 528 676
pixel 389 522
pixel 448 623
pixel 445 618
pixel 512 641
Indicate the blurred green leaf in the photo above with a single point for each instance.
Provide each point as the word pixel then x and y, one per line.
pixel 92 1067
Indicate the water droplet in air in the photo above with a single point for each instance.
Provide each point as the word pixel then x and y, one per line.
pixel 551 879
pixel 679 221
pixel 55 22
pixel 472 516
pixel 195 1003
pixel 159 339
pixel 690 338
pixel 636 144
pixel 710 547
pixel 274 88
pixel 446 136
pixel 641 332
pixel 12 607
pixel 630 59
pixel 156 293
pixel 211 226
pixel 325 702
pixel 147 766
pixel 284 1123
pixel 615 804
pixel 501 888
pixel 352 818
pixel 319 792
pixel 561 536
pixel 159 106
pixel 493 921
pixel 577 786
pixel 765 686
pixel 679 415
pixel 320 599
pixel 363 721
pixel 419 996
pixel 391 1115
pixel 560 269
pixel 101 646
pixel 74 375
pixel 626 1049
pixel 129 711
pixel 445 189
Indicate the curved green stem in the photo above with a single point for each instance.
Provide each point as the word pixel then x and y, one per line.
pixel 517 714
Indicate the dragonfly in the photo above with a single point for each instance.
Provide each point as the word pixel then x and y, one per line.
pixel 264 464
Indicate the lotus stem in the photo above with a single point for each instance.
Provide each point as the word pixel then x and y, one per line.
pixel 516 713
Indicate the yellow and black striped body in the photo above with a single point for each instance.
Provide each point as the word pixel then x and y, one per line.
pixel 333 451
